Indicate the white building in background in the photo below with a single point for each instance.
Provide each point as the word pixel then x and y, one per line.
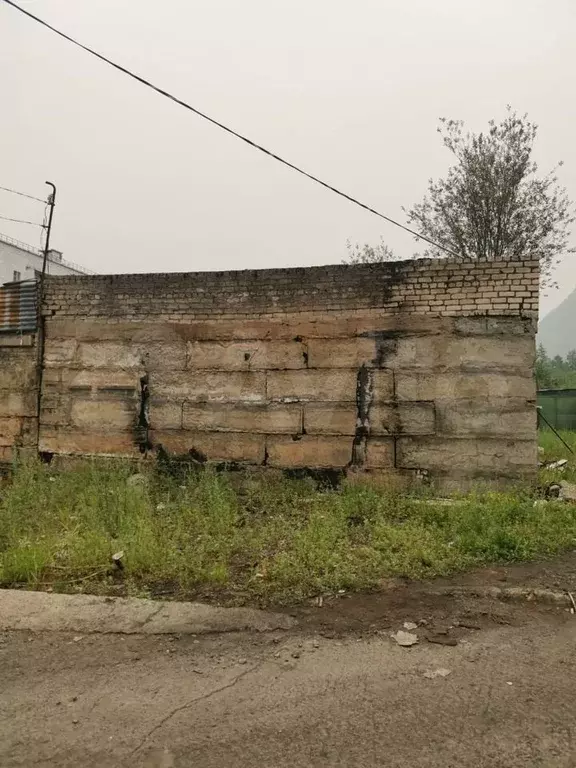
pixel 19 261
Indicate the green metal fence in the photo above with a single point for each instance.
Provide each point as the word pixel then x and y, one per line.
pixel 558 407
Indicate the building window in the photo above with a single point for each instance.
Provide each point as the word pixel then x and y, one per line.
pixel 16 276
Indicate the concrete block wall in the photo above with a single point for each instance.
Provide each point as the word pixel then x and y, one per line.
pixel 411 367
pixel 18 394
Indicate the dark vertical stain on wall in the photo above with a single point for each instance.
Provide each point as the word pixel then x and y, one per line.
pixel 143 422
pixel 364 398
pixel 301 340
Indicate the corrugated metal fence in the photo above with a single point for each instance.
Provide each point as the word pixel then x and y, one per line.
pixel 18 311
pixel 559 407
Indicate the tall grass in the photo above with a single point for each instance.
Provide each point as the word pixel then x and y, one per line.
pixel 251 537
pixel 553 448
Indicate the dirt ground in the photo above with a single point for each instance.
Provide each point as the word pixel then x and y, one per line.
pixel 489 683
pixel 400 601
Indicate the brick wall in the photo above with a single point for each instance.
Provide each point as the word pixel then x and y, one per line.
pixel 423 286
pixel 406 367
pixel 18 394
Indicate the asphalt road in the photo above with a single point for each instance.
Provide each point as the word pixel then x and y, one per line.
pixel 293 699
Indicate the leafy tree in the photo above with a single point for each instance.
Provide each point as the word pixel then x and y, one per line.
pixel 492 203
pixel 555 373
pixel 368 254
pixel 571 360
pixel 543 369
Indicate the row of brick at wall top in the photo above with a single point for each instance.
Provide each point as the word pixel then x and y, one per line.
pixel 413 286
pixel 337 272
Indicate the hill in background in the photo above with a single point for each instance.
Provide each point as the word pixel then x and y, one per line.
pixel 557 331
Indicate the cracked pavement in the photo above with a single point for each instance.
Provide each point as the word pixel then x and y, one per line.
pixel 296 698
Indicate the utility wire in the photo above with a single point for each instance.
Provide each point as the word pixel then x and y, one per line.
pixel 22 194
pixel 223 127
pixel 22 221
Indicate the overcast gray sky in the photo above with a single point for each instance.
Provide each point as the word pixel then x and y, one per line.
pixel 350 90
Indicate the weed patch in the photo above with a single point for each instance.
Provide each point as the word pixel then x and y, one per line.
pixel 241 537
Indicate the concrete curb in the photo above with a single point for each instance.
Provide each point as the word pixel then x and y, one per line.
pixel 534 594
pixel 40 611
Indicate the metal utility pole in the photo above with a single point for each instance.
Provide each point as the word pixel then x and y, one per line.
pixel 40 300
pixel 51 203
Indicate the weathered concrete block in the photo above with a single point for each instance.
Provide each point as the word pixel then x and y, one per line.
pixel 17 369
pixel 17 340
pixel 388 350
pixel 58 328
pixel 97 380
pixel 330 418
pixel 6 453
pixel 216 446
pixel 165 415
pixel 210 386
pixel 146 357
pixel 416 352
pixel 309 325
pixel 99 329
pixel 426 352
pixel 312 385
pixel 308 451
pixel 163 356
pixel 17 403
pixel 383 383
pixel 484 325
pixel 342 353
pixel 10 429
pixel 402 419
pixel 68 381
pixel 471 326
pixel 384 418
pixel 55 409
pixel 59 351
pixel 380 453
pixel 442 454
pixel 232 417
pixel 511 325
pixel 514 354
pixel 453 386
pixel 109 355
pixel 325 385
pixel 103 415
pixel 69 441
pixel 52 379
pixel 246 356
pixel 497 417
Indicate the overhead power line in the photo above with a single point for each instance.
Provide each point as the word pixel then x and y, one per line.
pixel 22 194
pixel 223 127
pixel 22 221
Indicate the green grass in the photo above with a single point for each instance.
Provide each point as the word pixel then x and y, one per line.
pixel 252 538
pixel 552 449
